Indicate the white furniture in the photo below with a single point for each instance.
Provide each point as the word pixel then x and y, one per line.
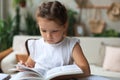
pixel 91 47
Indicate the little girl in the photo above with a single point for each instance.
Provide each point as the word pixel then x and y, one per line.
pixel 54 48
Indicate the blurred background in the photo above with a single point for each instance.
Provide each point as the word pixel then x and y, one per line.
pixel 91 18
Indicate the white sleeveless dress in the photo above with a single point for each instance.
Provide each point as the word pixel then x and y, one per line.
pixel 47 56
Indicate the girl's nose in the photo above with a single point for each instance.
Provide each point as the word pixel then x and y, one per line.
pixel 48 35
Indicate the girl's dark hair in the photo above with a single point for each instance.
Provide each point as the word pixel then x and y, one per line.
pixel 53 10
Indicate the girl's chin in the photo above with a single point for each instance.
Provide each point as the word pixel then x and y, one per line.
pixel 51 42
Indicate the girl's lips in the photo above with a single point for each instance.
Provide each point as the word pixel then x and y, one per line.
pixel 49 40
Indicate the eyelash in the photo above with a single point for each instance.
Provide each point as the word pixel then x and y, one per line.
pixel 51 31
pixel 43 30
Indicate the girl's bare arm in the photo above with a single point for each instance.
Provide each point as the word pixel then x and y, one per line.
pixel 80 60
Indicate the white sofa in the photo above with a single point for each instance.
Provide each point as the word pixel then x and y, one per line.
pixel 91 47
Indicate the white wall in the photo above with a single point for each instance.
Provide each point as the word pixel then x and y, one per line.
pixel 1 8
pixel 90 12
pixel 87 13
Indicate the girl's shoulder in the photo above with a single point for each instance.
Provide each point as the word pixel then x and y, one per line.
pixel 31 43
pixel 33 40
pixel 72 39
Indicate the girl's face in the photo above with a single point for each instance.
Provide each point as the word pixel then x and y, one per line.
pixel 51 31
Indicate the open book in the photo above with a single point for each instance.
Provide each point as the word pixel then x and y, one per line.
pixel 39 74
pixel 4 76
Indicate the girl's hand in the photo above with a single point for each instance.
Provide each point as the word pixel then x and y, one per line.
pixel 29 63
pixel 19 67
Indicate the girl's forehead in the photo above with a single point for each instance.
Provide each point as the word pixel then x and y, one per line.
pixel 39 19
pixel 46 22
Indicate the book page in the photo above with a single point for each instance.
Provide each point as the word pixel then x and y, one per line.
pixel 41 72
pixel 29 73
pixel 26 75
pixel 4 76
pixel 63 70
